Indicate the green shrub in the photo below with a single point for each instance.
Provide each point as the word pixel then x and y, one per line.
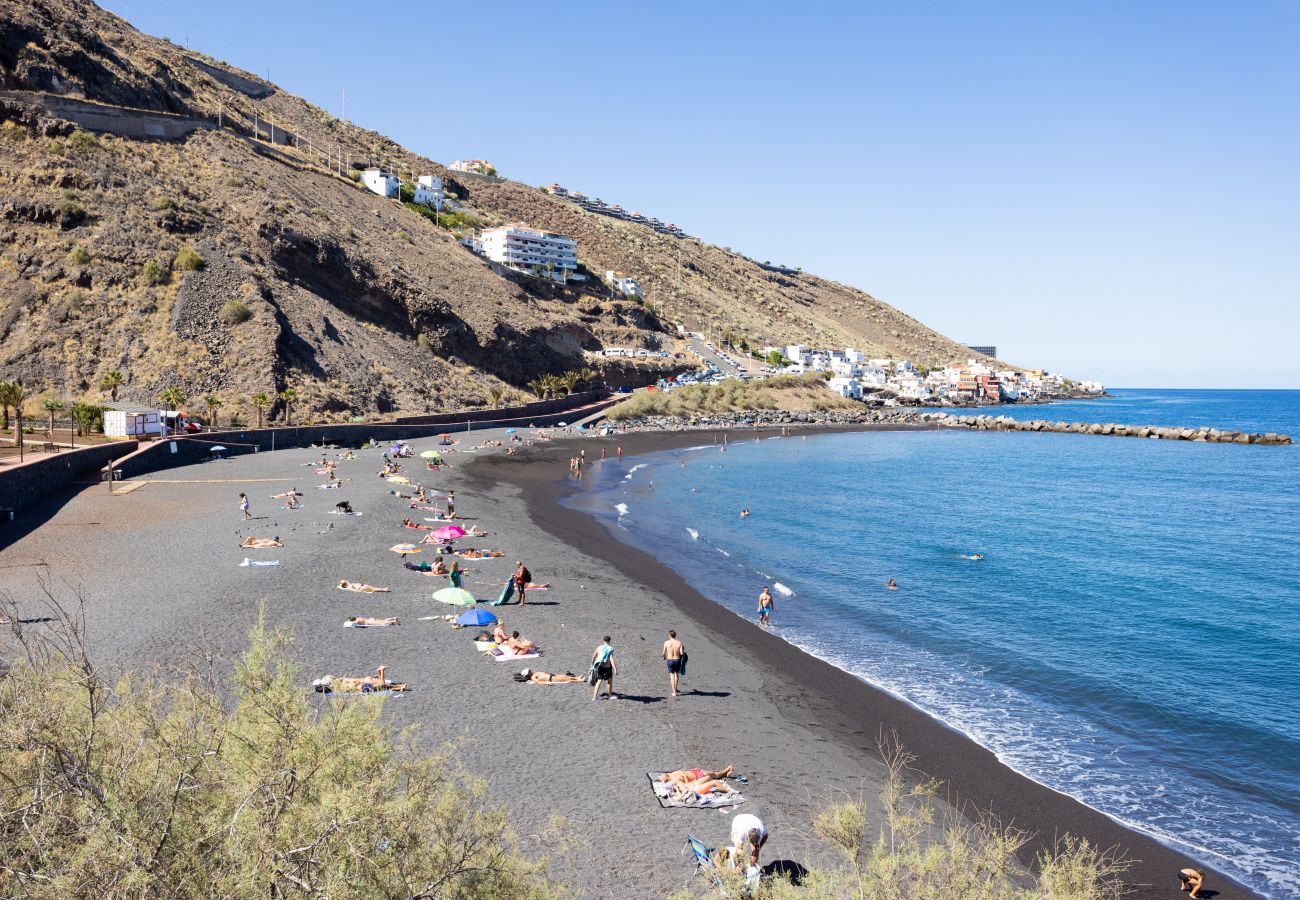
pixel 423 341
pixel 79 255
pixel 236 181
pixel 403 236
pixel 84 141
pixel 155 272
pixel 355 175
pixel 320 213
pixel 163 203
pixel 242 784
pixel 188 259
pixel 71 211
pixel 233 312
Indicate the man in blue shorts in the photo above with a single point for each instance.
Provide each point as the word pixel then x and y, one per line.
pixel 672 653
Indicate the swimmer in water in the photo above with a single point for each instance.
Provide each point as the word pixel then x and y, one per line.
pixel 744 513
pixel 972 556
pixel 891 584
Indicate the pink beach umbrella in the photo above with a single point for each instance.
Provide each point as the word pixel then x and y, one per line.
pixel 449 533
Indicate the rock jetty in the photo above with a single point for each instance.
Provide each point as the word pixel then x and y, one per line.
pixel 768 418
pixel 1153 432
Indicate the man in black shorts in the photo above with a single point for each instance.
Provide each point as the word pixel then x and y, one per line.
pixel 672 654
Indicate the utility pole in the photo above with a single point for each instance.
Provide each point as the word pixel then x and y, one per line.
pixel 345 106
pixel 272 128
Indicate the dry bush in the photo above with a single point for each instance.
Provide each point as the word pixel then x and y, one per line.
pixel 158 787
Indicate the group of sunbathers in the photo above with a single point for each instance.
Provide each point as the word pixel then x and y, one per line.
pixel 688 784
pixel 512 642
pixel 365 685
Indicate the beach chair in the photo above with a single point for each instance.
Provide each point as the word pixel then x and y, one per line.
pixel 704 864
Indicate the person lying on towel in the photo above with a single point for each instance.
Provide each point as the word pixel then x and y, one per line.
pixel 520 646
pixel 364 685
pixel 360 588
pixel 369 622
pixel 257 543
pixel 686 776
pixel 685 793
pixel 529 676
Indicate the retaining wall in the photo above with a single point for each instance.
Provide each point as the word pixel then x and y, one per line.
pixel 536 408
pixel 22 484
pixel 130 123
pixel 183 451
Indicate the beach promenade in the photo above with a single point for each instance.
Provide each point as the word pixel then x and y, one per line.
pixel 159 568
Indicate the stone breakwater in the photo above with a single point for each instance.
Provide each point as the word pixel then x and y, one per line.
pixel 767 418
pixel 1155 432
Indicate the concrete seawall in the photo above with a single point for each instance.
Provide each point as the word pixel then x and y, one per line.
pixel 1154 432
pixel 23 484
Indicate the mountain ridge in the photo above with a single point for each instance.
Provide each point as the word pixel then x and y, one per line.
pixel 360 303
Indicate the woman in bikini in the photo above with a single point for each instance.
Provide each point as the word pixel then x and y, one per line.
pixel 360 588
pixel 257 543
pixel 369 622
pixel 547 678
pixel 686 776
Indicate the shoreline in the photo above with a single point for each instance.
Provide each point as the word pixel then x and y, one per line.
pixel 852 711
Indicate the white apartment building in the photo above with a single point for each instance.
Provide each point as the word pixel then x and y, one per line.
pixel 474 166
pixel 628 287
pixel 428 190
pixel 381 183
pixel 872 376
pixel 845 387
pixel 527 249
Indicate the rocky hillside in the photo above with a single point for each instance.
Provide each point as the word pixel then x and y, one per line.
pixel 243 259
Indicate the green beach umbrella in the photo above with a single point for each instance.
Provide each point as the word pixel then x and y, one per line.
pixel 455 596
pixel 430 454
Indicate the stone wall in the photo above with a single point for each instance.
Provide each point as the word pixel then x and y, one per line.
pixel 20 485
pixel 183 451
pixel 536 408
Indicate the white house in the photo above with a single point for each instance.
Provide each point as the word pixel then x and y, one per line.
pixel 628 287
pixel 130 420
pixel 871 376
pixel 382 184
pixel 845 387
pixel 795 352
pixel 530 250
pixel 1092 387
pixel 474 166
pixel 428 190
pixel 473 243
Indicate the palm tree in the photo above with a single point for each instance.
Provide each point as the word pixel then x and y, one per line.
pixel 260 402
pixel 112 381
pixel 570 380
pixel 494 395
pixel 173 397
pixel 213 404
pixel 538 386
pixel 52 405
pixel 288 395
pixel 11 395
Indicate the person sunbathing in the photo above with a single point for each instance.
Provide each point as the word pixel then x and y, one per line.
pixel 702 788
pixel 520 646
pixel 257 543
pixel 409 523
pixel 686 776
pixel 479 554
pixel 527 675
pixel 292 492
pixel 348 455
pixel 369 622
pixel 364 685
pixel 292 503
pixel 361 588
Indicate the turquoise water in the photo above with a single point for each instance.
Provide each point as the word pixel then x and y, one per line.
pixel 1130 637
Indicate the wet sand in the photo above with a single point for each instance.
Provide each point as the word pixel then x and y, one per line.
pixel 159 570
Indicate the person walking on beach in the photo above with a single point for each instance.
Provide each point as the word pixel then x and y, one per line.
pixel 765 607
pixel 243 506
pixel 674 655
pixel 602 454
pixel 451 504
pixel 620 453
pixel 604 668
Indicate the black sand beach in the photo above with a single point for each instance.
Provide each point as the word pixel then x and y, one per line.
pixel 159 570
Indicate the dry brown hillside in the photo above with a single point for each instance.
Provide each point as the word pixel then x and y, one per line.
pixel 120 253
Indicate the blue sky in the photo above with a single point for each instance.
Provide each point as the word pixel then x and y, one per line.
pixel 1106 189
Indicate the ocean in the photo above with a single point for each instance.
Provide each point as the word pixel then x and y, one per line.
pixel 1129 635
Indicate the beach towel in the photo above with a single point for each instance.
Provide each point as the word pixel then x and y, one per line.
pixel 664 794
pixel 503 654
pixel 339 512
pixel 506 593
pixel 485 646
pixel 363 625
pixel 258 562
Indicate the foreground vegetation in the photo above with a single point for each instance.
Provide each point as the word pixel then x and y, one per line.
pixel 155 788
pixel 791 393
pixel 196 785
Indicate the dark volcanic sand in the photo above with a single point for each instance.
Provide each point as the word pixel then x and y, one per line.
pixel 159 570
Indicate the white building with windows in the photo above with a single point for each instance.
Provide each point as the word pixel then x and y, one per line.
pixel 428 190
pixel 530 250
pixel 380 182
pixel 845 387
pixel 628 287
pixel 473 166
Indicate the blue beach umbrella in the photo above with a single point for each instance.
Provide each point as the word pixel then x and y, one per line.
pixel 511 430
pixel 475 617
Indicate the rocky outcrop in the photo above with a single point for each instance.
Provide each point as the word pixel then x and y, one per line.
pixel 1151 432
